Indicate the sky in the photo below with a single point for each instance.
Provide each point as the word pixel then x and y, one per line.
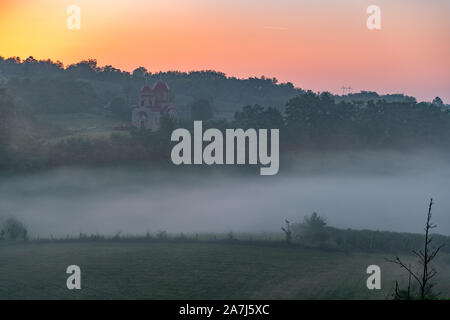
pixel 319 45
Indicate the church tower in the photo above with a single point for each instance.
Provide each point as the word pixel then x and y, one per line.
pixel 153 103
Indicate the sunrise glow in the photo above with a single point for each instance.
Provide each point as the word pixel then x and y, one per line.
pixel 318 45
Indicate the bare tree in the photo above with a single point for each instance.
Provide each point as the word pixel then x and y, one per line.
pixel 287 231
pixel 426 256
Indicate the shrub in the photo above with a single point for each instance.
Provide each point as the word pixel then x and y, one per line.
pixel 312 231
pixel 13 229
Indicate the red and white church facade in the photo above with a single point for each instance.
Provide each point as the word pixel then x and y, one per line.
pixel 154 102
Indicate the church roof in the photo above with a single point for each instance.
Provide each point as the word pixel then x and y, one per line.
pixel 146 88
pixel 161 86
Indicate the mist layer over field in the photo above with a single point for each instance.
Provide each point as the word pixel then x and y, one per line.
pixel 379 191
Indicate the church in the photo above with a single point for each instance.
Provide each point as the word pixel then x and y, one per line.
pixel 154 102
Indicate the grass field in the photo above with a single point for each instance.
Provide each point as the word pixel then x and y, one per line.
pixel 114 270
pixel 81 124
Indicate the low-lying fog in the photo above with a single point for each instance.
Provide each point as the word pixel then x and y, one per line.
pixel 370 191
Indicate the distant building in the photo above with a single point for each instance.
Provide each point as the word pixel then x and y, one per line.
pixel 153 103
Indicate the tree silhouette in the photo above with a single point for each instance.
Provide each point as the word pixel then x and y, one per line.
pixel 426 256
pixel 201 109
pixel 287 231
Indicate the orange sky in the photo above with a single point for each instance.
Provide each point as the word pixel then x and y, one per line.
pixel 319 45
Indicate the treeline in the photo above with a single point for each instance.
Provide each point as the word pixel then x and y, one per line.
pixel 305 235
pixel 55 95
pixel 50 87
pixel 315 122
pixel 310 122
pixel 313 231
pixel 365 96
pixel 378 241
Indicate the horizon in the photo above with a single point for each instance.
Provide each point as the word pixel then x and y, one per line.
pixel 315 46
pixel 381 94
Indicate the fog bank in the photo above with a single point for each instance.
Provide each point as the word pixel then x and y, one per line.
pixel 369 195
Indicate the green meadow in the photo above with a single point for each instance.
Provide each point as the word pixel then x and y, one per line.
pixel 196 270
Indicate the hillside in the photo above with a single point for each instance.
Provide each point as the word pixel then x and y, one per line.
pixel 38 81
